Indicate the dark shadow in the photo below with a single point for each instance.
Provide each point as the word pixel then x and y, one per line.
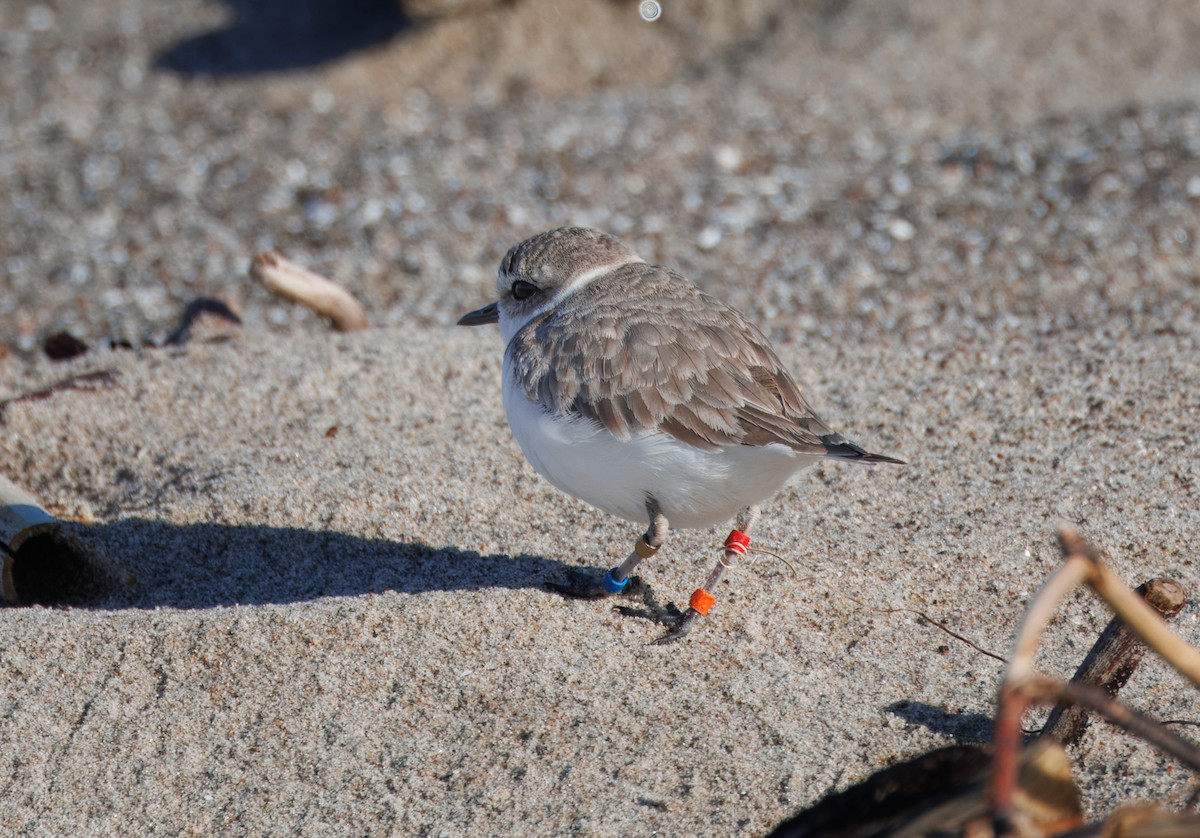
pixel 266 36
pixel 935 793
pixel 963 727
pixel 206 565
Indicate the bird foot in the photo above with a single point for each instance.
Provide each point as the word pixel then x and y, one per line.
pixel 586 584
pixel 678 623
pixel 651 609
pixel 680 629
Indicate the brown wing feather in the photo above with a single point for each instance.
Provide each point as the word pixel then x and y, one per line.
pixel 613 352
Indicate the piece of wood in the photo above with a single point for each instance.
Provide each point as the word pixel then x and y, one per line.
pixel 287 279
pixel 1146 623
pixel 1043 690
pixel 1113 659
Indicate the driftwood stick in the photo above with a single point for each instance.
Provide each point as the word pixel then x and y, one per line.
pixel 1042 690
pixel 1145 622
pixel 287 279
pixel 1113 659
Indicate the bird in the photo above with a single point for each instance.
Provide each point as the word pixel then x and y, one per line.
pixel 631 389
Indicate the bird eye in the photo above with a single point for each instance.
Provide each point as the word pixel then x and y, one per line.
pixel 522 290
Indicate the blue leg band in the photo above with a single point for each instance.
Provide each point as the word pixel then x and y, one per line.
pixel 611 584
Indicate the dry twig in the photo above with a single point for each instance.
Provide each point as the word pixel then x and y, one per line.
pixel 1030 791
pixel 99 380
pixel 1023 687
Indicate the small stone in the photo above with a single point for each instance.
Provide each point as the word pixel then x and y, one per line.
pixel 901 230
pixel 900 183
pixel 727 157
pixel 321 100
pixel 40 18
pixel 709 238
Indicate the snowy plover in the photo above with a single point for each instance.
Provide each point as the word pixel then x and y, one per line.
pixel 632 390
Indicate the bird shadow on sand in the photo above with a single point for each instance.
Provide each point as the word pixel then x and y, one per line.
pixel 265 36
pixel 207 565
pixel 962 727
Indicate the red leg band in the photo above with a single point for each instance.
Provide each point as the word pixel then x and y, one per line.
pixel 701 601
pixel 737 542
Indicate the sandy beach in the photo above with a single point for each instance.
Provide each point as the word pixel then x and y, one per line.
pixel 969 229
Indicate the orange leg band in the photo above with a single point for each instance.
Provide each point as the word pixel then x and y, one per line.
pixel 701 601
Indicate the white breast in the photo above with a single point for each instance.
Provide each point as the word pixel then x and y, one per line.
pixel 693 487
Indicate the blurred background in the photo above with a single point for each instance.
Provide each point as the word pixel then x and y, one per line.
pixel 893 165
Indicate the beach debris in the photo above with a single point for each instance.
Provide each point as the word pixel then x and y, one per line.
pixel 21 518
pixel 207 315
pixel 212 318
pixel 941 793
pixel 63 346
pixel 288 279
pixel 1024 688
pixel 1018 788
pixel 88 381
pixel 44 562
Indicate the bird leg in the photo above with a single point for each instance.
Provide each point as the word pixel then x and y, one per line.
pixel 702 599
pixel 645 547
pixel 583 585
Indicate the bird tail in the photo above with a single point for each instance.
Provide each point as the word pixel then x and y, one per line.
pixel 839 448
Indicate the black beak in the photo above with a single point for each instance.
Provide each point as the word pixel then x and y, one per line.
pixel 490 313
